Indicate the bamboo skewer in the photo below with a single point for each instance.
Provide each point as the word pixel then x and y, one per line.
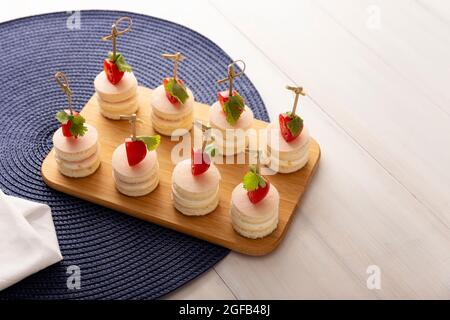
pixel 298 91
pixel 204 128
pixel 63 82
pixel 132 119
pixel 176 57
pixel 258 158
pixel 115 33
pixel 232 75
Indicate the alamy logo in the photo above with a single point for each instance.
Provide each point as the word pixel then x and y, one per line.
pixel 374 279
pixel 74 20
pixel 74 279
pixel 373 21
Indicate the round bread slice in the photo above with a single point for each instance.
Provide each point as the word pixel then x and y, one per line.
pixel 80 173
pixel 75 149
pixel 136 189
pixel 169 127
pixel 218 119
pixel 288 166
pixel 164 109
pixel 116 114
pixel 194 186
pixel 198 211
pixel 78 165
pixel 115 107
pixel 254 220
pixel 255 231
pixel 143 171
pixel 286 150
pixel 125 89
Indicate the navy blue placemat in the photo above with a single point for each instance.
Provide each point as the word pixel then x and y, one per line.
pixel 120 257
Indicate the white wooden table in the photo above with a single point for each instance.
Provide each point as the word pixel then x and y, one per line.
pixel 378 78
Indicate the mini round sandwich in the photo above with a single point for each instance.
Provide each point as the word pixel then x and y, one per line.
pixel 195 183
pixel 172 103
pixel 288 141
pixel 230 118
pixel 75 143
pixel 116 86
pixel 135 163
pixel 254 206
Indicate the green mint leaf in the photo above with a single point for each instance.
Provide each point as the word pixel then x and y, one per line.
pixel 62 117
pixel 237 100
pixel 261 181
pixel 77 128
pixel 151 142
pixel 233 108
pixel 295 125
pixel 179 92
pixel 176 90
pixel 120 62
pixel 256 179
pixel 251 181
pixel 211 150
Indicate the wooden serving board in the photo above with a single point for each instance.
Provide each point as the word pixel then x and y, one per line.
pixel 157 207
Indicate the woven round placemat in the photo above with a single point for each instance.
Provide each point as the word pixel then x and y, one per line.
pixel 120 257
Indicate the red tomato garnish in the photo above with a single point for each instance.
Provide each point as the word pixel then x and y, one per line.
pixel 112 72
pixel 200 161
pixel 284 119
pixel 259 194
pixel 66 127
pixel 171 98
pixel 136 151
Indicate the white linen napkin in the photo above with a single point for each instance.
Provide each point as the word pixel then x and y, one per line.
pixel 28 241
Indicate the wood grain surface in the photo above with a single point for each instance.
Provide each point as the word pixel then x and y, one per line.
pixel 157 206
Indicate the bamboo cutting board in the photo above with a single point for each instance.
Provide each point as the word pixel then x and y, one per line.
pixel 157 207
